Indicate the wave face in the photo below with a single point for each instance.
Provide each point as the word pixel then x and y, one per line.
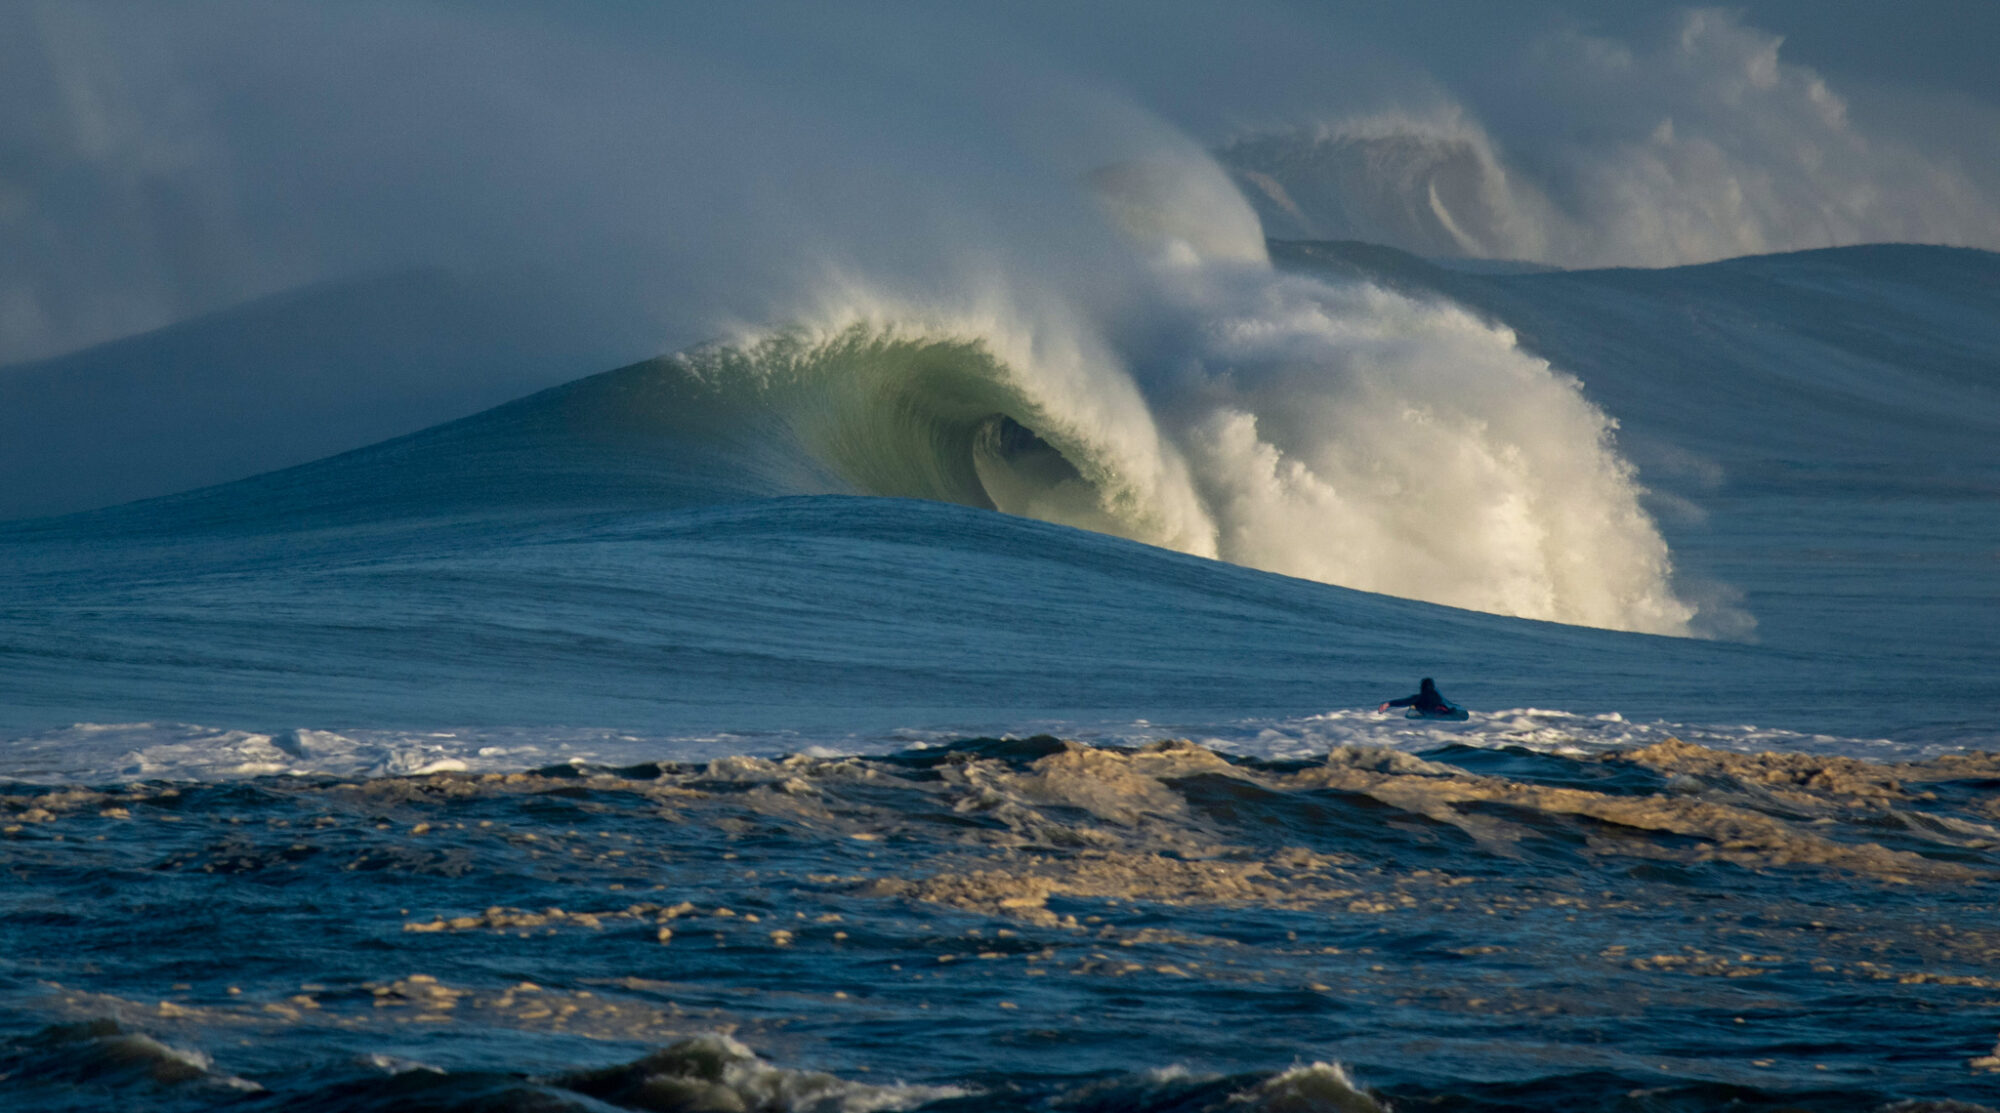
pixel 1335 432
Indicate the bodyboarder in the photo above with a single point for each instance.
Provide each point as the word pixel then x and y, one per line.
pixel 1427 701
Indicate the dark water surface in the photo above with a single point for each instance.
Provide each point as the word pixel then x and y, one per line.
pixel 1015 924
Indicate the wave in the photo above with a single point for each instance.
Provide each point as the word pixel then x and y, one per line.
pixel 1433 187
pixel 1339 433
pixel 103 1055
pixel 1704 145
pixel 908 412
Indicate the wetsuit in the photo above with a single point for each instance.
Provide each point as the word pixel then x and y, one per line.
pixel 1426 700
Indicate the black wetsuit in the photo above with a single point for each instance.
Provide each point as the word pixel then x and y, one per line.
pixel 1426 700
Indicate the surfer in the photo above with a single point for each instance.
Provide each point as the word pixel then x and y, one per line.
pixel 1427 700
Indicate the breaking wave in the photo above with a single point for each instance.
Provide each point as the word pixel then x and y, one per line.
pixel 1338 433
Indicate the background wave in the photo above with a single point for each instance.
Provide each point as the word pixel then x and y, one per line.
pixel 1701 144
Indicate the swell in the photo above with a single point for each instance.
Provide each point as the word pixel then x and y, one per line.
pixel 1340 433
pixel 1330 429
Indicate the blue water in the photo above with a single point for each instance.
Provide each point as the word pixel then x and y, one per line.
pixel 297 699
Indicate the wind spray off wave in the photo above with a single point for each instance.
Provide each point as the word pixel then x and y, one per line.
pixel 1704 144
pixel 1339 433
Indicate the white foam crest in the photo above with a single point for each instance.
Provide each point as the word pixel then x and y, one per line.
pixel 110 753
pixel 717 1072
pixel 1357 437
pixel 1315 1087
pixel 1541 730
pixel 118 1051
pixel 393 1064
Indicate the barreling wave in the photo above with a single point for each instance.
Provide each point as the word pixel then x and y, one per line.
pixel 1344 434
pixel 909 413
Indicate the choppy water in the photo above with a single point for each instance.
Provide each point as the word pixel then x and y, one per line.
pixel 1009 924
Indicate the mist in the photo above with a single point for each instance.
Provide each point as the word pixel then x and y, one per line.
pixel 677 169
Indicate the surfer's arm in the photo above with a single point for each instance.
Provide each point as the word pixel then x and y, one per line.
pixel 1404 702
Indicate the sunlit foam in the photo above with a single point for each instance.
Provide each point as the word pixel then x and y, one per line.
pixel 1344 434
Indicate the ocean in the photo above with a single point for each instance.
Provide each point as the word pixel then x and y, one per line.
pixel 914 708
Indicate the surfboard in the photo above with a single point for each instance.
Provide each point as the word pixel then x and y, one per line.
pixel 1449 714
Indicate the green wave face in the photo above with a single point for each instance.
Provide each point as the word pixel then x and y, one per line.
pixel 906 415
